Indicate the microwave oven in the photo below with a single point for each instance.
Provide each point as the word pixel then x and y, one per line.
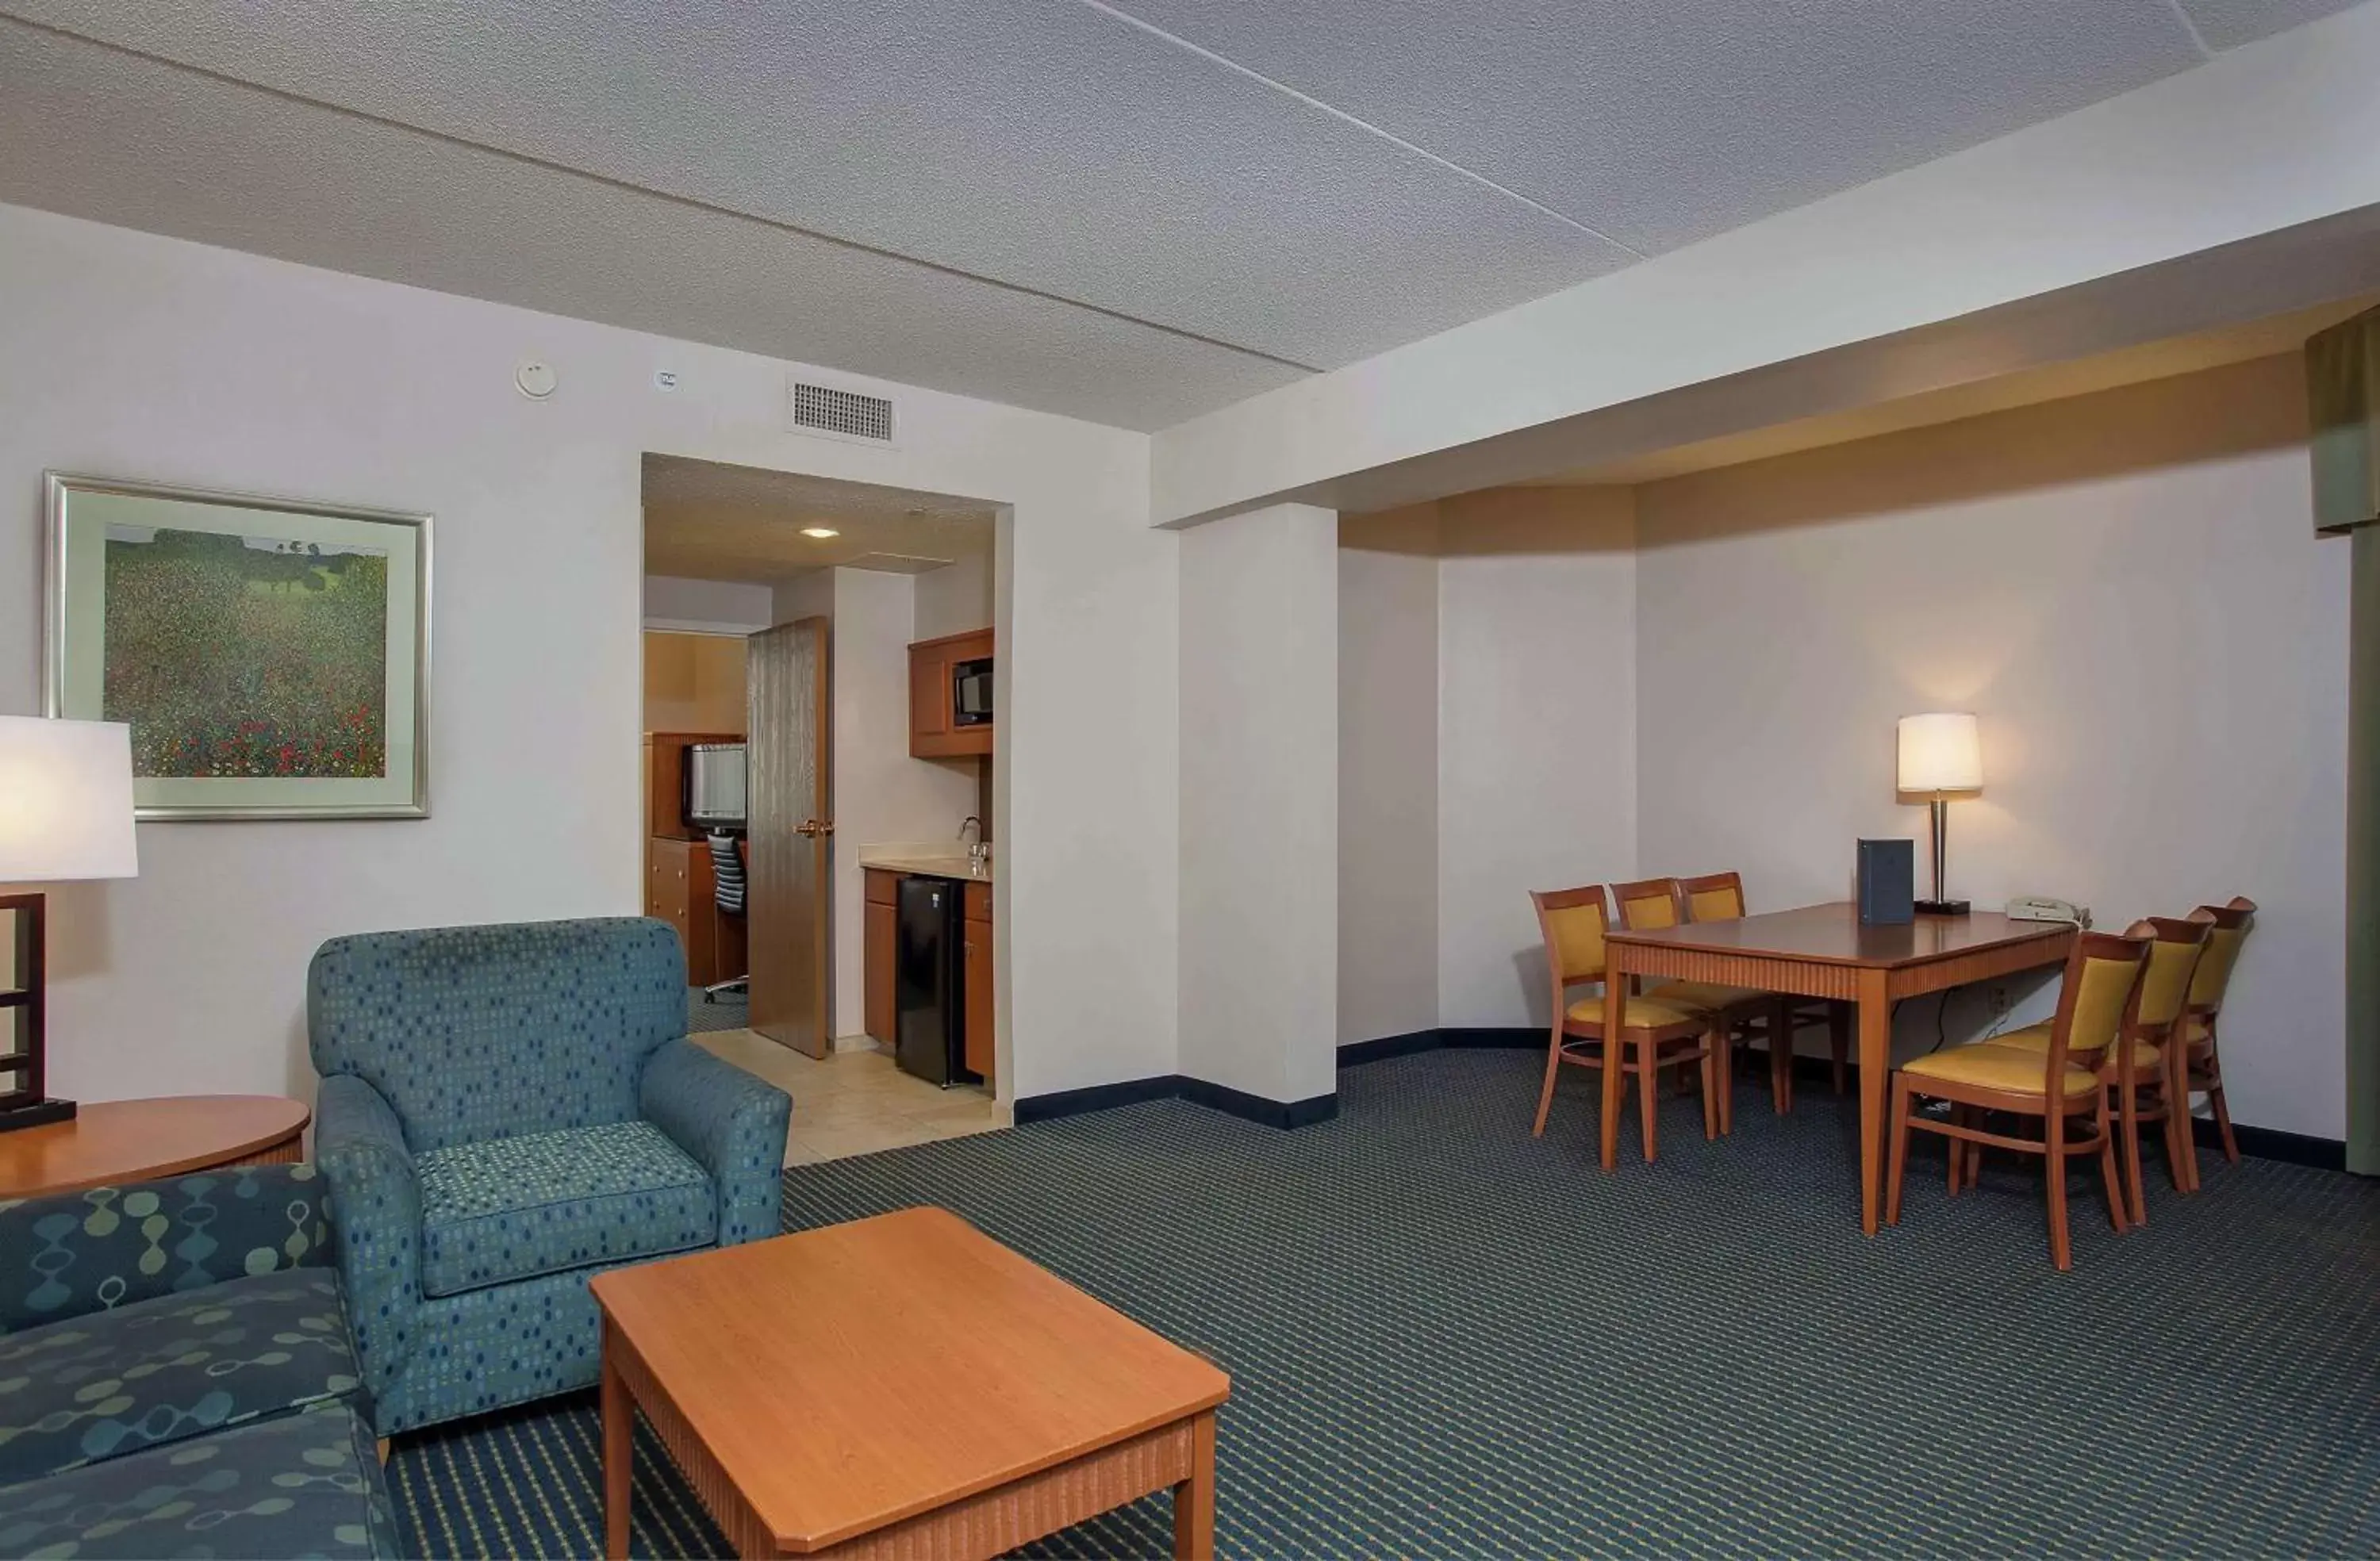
pixel 971 692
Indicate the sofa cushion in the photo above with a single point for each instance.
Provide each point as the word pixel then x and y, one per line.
pixel 514 1208
pixel 173 1367
pixel 303 1484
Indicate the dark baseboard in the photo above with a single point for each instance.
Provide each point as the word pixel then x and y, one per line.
pixel 1257 1109
pixel 1174 1086
pixel 1097 1097
pixel 1356 1053
pixel 1501 1036
pixel 2272 1144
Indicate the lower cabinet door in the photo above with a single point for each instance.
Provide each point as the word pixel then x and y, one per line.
pixel 979 998
pixel 880 931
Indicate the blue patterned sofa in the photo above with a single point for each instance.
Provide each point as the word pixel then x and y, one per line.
pixel 177 1377
pixel 505 1111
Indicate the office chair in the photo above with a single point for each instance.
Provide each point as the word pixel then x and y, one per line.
pixel 727 879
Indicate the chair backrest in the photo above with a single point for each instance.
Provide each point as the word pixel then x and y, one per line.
pixel 1649 904
pixel 1713 897
pixel 473 1033
pixel 2097 1001
pixel 2227 928
pixel 2175 948
pixel 1572 921
pixel 726 873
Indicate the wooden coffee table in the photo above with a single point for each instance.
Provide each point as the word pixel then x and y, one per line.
pixel 898 1387
pixel 115 1140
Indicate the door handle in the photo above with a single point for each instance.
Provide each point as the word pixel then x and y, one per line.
pixel 814 827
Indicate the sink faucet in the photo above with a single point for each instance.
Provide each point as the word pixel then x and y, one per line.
pixel 977 851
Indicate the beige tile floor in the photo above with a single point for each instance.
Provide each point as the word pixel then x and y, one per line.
pixel 855 1102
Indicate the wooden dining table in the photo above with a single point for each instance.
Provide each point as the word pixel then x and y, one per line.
pixel 1825 952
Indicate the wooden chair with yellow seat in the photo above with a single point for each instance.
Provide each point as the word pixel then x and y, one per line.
pixel 1719 897
pixel 2058 1085
pixel 1649 904
pixel 2198 1067
pixel 1660 1035
pixel 2138 1073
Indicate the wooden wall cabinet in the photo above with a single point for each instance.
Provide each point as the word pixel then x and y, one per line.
pixel 934 735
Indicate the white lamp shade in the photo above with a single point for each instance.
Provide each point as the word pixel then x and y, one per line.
pixel 66 800
pixel 1940 753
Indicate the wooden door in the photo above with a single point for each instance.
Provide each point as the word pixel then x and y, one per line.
pixel 790 828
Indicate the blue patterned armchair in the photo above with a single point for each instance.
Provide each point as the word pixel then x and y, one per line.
pixel 505 1111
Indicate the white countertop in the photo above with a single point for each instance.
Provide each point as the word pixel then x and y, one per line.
pixel 910 859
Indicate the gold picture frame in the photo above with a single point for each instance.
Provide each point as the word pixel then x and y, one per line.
pixel 272 655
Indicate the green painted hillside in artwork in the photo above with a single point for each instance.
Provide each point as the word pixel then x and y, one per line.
pixel 235 656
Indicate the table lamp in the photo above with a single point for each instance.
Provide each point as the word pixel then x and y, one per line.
pixel 1941 757
pixel 66 813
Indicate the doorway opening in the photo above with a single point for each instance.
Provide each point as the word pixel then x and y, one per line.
pixel 818 818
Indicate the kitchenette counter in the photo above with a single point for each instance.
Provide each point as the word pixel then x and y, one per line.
pixel 902 859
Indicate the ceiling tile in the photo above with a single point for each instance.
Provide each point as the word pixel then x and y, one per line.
pixel 93 133
pixel 708 521
pixel 2226 24
pixel 1659 122
pixel 1042 142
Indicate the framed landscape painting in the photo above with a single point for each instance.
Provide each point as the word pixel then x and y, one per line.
pixel 272 656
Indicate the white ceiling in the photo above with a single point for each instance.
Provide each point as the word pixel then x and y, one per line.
pixel 1128 212
pixel 709 521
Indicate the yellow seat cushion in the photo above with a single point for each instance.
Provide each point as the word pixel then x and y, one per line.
pixel 1642 1013
pixel 1706 997
pixel 2147 1056
pixel 1989 1065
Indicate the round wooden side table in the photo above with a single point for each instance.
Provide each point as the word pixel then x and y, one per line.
pixel 116 1140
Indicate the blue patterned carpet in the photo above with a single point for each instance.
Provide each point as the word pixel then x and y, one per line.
pixel 1447 1338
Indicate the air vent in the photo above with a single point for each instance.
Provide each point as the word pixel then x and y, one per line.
pixel 842 414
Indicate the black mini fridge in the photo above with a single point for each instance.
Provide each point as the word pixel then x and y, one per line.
pixel 928 983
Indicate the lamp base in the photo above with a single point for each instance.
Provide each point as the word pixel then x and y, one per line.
pixel 36 1114
pixel 1944 908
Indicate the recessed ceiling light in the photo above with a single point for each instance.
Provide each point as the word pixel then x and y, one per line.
pixel 820 532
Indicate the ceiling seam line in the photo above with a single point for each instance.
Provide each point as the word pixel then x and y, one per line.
pixel 690 202
pixel 1364 125
pixel 2190 30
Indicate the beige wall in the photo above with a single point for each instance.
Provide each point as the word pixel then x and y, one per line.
pixel 2127 590
pixel 1388 774
pixel 694 683
pixel 1259 697
pixel 954 599
pixel 258 376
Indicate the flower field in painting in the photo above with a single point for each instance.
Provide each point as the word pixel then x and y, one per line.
pixel 236 656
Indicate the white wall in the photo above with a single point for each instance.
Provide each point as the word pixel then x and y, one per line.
pixel 1388 774
pixel 706 606
pixel 1536 779
pixel 179 362
pixel 1259 638
pixel 2126 588
pixel 954 599
pixel 882 796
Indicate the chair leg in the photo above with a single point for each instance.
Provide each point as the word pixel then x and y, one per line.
pixel 1546 1095
pixel 1838 1039
pixel 2215 1098
pixel 1899 1164
pixel 1780 1065
pixel 1711 1044
pixel 1955 1149
pixel 2061 1248
pixel 1649 1095
pixel 2108 1169
pixel 1725 1072
pixel 2177 1124
pixel 2127 1117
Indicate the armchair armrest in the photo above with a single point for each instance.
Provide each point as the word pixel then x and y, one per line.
pixel 731 1124
pixel 376 1213
pixel 76 1253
